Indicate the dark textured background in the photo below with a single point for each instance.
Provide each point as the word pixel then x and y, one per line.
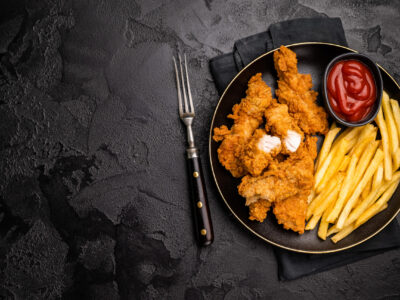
pixel 94 197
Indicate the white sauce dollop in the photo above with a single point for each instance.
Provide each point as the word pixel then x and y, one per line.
pixel 268 142
pixel 292 140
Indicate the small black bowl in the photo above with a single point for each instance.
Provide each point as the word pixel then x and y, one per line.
pixel 378 83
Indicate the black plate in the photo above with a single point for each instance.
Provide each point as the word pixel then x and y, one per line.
pixel 312 59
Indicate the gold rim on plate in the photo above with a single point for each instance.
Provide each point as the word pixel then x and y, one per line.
pixel 215 179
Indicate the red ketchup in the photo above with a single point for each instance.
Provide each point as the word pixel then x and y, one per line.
pixel 351 90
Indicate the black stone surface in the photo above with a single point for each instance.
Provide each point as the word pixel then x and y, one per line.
pixel 94 195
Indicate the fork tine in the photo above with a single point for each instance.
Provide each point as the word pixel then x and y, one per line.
pixel 183 85
pixel 188 87
pixel 179 88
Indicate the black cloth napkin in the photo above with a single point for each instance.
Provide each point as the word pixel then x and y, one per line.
pixel 292 265
pixel 223 68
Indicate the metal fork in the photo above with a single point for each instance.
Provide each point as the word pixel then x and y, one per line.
pixel 202 217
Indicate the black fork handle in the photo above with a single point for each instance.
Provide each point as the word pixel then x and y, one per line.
pixel 202 217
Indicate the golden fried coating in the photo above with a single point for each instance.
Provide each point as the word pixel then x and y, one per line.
pixel 277 163
pixel 280 123
pixel 294 176
pixel 257 155
pixel 258 210
pixel 273 185
pixel 291 212
pixel 294 89
pixel 247 117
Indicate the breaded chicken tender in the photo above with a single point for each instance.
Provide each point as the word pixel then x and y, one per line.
pixel 258 210
pixel 294 90
pixel 293 177
pixel 259 151
pixel 247 117
pixel 291 212
pixel 280 123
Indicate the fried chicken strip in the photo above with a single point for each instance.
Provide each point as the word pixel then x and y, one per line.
pixel 258 210
pixel 280 123
pixel 289 181
pixel 294 89
pixel 291 212
pixel 247 117
pixel 260 151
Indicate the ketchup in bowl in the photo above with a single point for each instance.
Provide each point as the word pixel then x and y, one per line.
pixel 351 90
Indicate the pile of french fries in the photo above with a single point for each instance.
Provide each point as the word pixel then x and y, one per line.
pixel 355 174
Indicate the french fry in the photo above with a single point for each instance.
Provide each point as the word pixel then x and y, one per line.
pixel 344 164
pixel 366 131
pixel 313 222
pixel 372 213
pixel 333 229
pixel 361 185
pixel 358 201
pixel 396 114
pixel 361 207
pixel 373 209
pixel 375 194
pixel 311 196
pixel 318 199
pixel 367 188
pixel 326 202
pixel 323 229
pixel 388 194
pixel 390 124
pixel 324 166
pixel 328 210
pixel 385 142
pixel 323 225
pixel 396 159
pixel 326 146
pixel 378 177
pixel 350 134
pixel 334 166
pixel 361 145
pixel 351 227
pixel 345 132
pixel 343 233
pixel 345 190
pixel 363 162
pixel 366 136
pixel 351 144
